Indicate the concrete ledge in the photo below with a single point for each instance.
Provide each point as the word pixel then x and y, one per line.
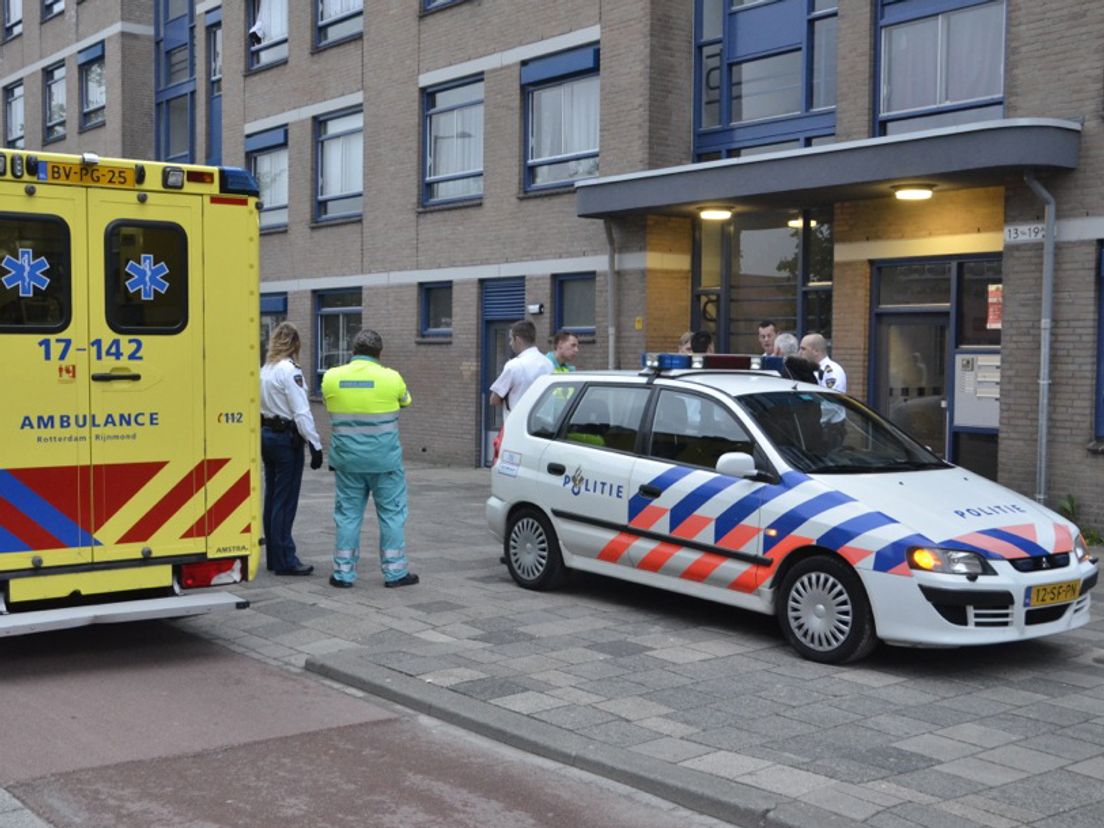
pixel 732 802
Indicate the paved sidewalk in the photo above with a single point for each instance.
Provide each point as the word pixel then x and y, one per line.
pixel 695 702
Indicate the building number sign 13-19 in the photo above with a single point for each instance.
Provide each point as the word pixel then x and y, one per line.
pixel 1024 233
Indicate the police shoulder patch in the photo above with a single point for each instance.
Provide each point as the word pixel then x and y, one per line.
pixel 299 380
pixel 830 382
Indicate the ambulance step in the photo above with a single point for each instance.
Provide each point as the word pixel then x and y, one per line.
pixel 176 606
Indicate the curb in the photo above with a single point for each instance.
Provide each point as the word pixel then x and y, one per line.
pixel 732 802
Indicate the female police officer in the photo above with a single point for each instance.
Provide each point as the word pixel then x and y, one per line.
pixel 286 423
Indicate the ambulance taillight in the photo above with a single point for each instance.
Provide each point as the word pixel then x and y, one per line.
pixel 210 573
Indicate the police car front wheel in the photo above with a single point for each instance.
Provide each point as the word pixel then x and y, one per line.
pixel 532 550
pixel 824 611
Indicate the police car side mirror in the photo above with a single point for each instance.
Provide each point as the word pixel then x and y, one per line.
pixel 737 464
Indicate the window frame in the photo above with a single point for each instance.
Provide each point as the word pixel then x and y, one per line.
pixel 647 449
pixel 12 27
pixel 1099 412
pixel 320 217
pixel 320 26
pixel 15 142
pixel 67 299
pixel 252 52
pixel 807 126
pixel 262 143
pixel 424 328
pixel 273 308
pixel 49 78
pixel 577 399
pixel 547 72
pixel 86 59
pixel 342 310
pixel 558 282
pixel 110 305
pixel 427 131
pixel 893 13
pixel 51 9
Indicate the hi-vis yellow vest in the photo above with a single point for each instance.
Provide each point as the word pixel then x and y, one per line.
pixel 364 399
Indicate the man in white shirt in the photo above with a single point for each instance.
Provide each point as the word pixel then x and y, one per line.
pixel 519 372
pixel 815 349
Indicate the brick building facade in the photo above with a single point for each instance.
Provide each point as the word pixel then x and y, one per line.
pixel 699 104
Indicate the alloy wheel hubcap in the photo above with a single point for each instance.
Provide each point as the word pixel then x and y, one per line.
pixel 528 549
pixel 820 611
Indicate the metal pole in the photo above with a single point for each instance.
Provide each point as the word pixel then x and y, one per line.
pixel 1046 312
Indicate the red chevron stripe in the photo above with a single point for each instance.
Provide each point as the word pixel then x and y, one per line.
pixel 654 560
pixel 703 567
pixel 114 485
pixel 25 529
pixel 233 498
pixel 648 517
pixel 174 501
pixel 1063 538
pixel 63 487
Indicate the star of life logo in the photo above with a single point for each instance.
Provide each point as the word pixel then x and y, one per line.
pixel 26 271
pixel 148 277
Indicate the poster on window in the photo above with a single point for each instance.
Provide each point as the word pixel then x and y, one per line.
pixel 993 319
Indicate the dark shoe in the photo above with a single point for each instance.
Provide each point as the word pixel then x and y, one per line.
pixel 302 569
pixel 502 560
pixel 340 584
pixel 406 580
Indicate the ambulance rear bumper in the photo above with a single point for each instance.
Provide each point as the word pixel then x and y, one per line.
pixel 175 606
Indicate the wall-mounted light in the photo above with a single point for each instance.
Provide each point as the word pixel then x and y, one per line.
pixel 797 224
pixel 715 214
pixel 913 192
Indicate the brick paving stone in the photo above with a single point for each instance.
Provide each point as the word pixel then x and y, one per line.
pixel 843 802
pixel 575 696
pixel 897 725
pixel 938 784
pixel 558 678
pixel 1008 695
pixel 846 769
pixel 532 664
pixel 595 670
pixel 488 688
pixel 575 717
pixel 1091 767
pixel 937 747
pixel 869 678
pixel 528 702
pixel 669 727
pixel 904 794
pixel 633 708
pixel 619 649
pixel 1063 744
pixel 726 738
pixel 971 767
pixel 679 655
pixel 785 780
pixel 933 816
pixel 451 676
pixel 987 818
pixel 670 749
pixel 1084 703
pixel 726 763
pixel 980 735
pixel 1089 816
pixel 660 679
pixel 1025 759
pixel 825 715
pixel 621 733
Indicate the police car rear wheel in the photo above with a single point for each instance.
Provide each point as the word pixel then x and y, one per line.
pixel 824 611
pixel 533 551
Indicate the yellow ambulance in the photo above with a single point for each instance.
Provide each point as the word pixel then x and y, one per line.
pixel 129 411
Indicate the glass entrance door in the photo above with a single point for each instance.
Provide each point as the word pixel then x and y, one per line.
pixel 911 374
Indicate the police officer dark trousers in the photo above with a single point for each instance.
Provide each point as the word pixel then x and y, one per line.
pixel 364 399
pixel 286 427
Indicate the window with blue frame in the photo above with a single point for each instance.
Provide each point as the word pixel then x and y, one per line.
pixel 268 32
pixel 338 315
pixel 941 63
pixel 340 187
pixel 267 157
pixel 273 312
pixel 765 75
pixel 53 103
pixel 213 22
pixel 454 142
pixel 174 94
pixel 435 308
pixel 93 87
pixel 574 297
pixel 13 18
pixel 13 116
pixel 1099 429
pixel 338 20
pixel 561 94
pixel 52 8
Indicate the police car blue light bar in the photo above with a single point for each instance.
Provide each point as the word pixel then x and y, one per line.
pixel 665 362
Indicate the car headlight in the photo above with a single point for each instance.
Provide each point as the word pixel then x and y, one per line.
pixel 1080 549
pixel 949 561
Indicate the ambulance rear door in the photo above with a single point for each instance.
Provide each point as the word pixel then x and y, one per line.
pixel 45 517
pixel 146 370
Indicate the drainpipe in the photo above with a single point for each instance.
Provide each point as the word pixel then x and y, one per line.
pixel 611 295
pixel 1044 334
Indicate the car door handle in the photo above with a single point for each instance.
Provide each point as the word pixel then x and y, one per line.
pixel 110 377
pixel 557 468
pixel 650 491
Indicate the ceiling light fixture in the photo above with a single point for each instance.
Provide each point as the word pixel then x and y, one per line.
pixel 913 192
pixel 715 214
pixel 797 224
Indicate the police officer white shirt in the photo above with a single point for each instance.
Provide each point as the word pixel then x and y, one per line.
pixel 284 394
pixel 832 376
pixel 518 374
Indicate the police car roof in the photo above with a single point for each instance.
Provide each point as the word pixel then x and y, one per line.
pixel 733 383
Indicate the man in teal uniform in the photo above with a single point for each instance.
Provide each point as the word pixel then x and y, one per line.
pixel 565 348
pixel 364 399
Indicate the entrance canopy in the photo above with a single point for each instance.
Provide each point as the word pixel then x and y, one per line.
pixel 949 158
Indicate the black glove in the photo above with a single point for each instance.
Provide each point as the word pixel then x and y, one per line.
pixel 316 458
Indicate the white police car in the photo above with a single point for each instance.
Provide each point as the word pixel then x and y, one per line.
pixel 757 491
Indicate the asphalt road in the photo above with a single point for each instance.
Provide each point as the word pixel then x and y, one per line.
pixel 146 724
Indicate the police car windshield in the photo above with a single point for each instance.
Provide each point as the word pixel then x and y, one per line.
pixel 833 434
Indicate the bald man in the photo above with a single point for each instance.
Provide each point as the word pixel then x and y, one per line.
pixel 815 349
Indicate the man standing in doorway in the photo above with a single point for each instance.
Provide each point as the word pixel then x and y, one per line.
pixel 767 333
pixel 565 348
pixel 364 399
pixel 815 349
pixel 518 373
